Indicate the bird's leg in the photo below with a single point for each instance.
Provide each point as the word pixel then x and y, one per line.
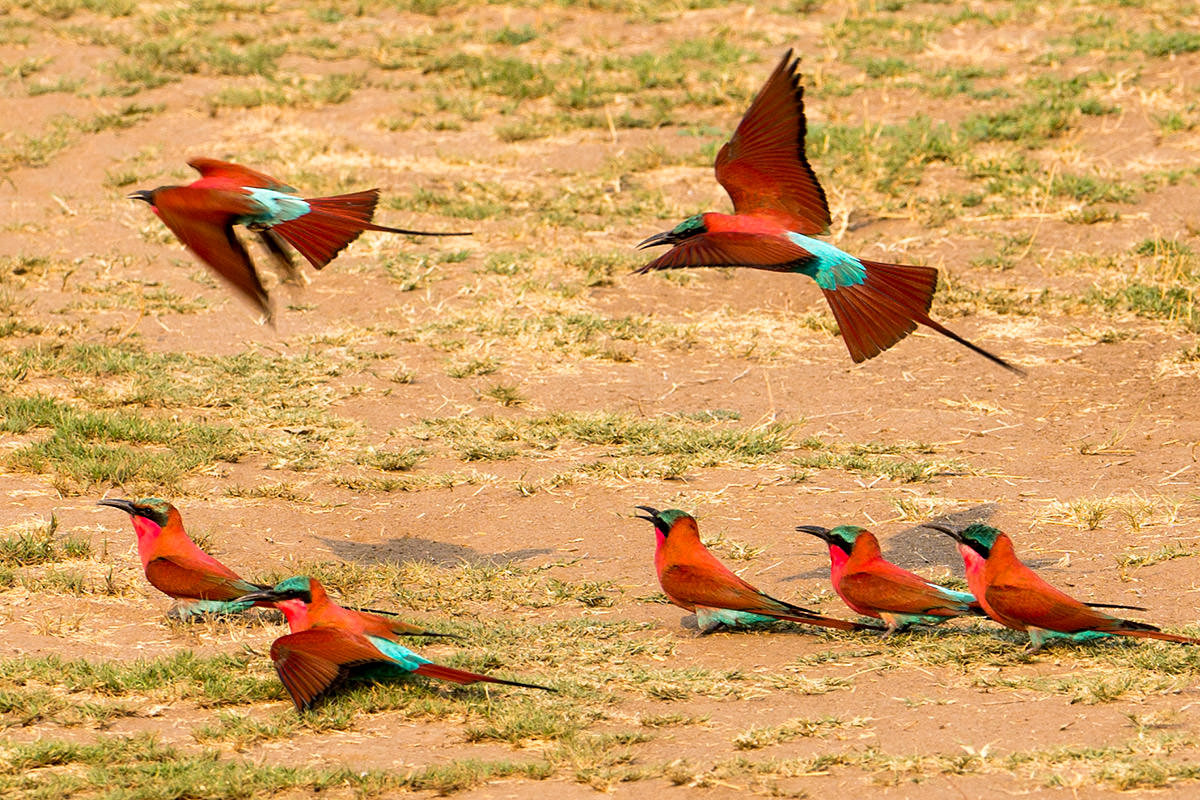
pixel 1037 639
pixel 707 620
pixel 894 623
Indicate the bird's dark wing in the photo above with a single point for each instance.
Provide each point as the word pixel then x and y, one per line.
pixel 312 662
pixel 203 220
pixel 731 249
pixel 763 167
pixel 227 175
pixel 175 577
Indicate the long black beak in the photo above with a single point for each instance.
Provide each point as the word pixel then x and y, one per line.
pixel 653 512
pixel 815 530
pixel 144 195
pixel 943 529
pixel 666 237
pixel 124 505
pixel 265 596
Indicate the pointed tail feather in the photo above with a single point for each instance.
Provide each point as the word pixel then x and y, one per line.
pixel 1166 637
pixel 332 223
pixel 927 321
pixel 886 307
pixel 1114 605
pixel 462 676
pixel 828 622
pixel 1142 630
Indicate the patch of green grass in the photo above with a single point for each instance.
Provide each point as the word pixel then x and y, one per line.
pixel 892 461
pixel 38 149
pixel 622 435
pixel 210 681
pixel 759 737
pixel 86 448
pixel 141 766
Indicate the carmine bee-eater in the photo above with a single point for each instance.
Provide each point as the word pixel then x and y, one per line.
pixel 1013 595
pixel 875 587
pixel 328 642
pixel 176 566
pixel 778 207
pixel 203 213
pixel 693 579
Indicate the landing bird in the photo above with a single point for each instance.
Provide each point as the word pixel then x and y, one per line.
pixel 875 587
pixel 778 206
pixel 327 643
pixel 1013 595
pixel 176 566
pixel 695 580
pixel 203 213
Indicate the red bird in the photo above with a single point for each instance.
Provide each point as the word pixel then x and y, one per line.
pixel 176 566
pixel 328 642
pixel 778 207
pixel 695 580
pixel 203 213
pixel 875 587
pixel 1013 595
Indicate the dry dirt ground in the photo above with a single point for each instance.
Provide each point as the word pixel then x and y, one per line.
pixel 460 428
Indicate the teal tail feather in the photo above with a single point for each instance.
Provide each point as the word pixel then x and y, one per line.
pixel 189 612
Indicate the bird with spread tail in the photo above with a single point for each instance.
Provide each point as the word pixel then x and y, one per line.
pixel 1013 595
pixel 875 587
pixel 327 643
pixel 693 579
pixel 202 214
pixel 177 567
pixel 779 206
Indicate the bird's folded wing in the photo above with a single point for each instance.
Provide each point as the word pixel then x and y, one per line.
pixel 1045 607
pixel 701 587
pixel 731 249
pixel 901 592
pixel 763 167
pixel 177 577
pixel 312 662
pixel 229 175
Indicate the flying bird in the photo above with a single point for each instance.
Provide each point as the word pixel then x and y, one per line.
pixel 203 213
pixel 875 587
pixel 1013 595
pixel 693 579
pixel 175 566
pixel 327 643
pixel 779 206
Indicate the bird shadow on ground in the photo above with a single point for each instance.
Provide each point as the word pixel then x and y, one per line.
pixel 425 551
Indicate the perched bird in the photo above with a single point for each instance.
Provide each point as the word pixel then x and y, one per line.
pixel 875 587
pixel 328 642
pixel 778 207
pixel 695 580
pixel 203 213
pixel 1013 595
pixel 177 567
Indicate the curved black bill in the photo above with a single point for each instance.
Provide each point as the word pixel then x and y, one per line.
pixel 124 505
pixel 815 530
pixel 943 529
pixel 666 237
